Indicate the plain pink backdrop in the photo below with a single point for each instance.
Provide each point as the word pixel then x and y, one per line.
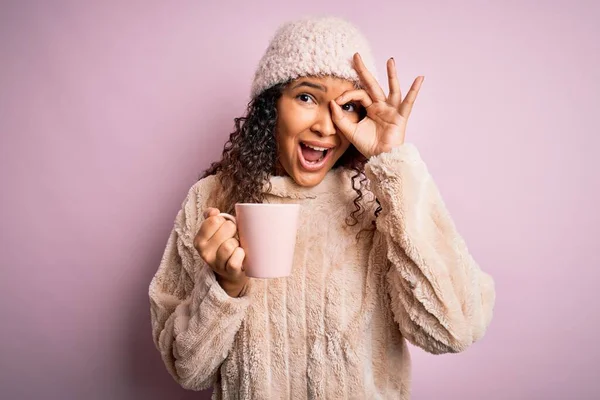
pixel 110 110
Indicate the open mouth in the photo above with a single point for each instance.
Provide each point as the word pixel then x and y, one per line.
pixel 312 157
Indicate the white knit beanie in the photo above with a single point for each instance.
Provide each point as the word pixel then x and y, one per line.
pixel 312 47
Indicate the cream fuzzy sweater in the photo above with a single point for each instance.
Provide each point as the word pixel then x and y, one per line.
pixel 337 327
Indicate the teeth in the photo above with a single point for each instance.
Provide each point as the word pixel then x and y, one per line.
pixel 315 147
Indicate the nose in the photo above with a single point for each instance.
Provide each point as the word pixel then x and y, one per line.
pixel 324 125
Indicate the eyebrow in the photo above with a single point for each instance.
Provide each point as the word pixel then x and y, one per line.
pixel 311 85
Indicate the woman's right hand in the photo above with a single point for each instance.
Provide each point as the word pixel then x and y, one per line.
pixel 218 247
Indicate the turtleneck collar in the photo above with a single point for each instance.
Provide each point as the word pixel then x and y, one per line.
pixel 286 187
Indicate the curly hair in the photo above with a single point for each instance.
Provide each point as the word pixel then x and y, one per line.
pixel 250 156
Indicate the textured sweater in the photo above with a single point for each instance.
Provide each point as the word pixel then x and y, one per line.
pixel 338 327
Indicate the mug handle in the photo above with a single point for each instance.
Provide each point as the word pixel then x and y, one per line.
pixel 228 217
pixel 231 218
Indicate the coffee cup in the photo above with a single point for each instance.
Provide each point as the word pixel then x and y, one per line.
pixel 267 233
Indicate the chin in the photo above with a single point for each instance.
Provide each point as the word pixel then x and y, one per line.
pixel 308 179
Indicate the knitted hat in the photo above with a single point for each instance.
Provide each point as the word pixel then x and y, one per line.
pixel 312 47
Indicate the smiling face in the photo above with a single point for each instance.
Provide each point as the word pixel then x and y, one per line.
pixel 309 143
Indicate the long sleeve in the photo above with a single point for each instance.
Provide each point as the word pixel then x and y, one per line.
pixel 194 321
pixel 440 298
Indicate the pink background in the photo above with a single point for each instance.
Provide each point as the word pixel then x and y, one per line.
pixel 110 110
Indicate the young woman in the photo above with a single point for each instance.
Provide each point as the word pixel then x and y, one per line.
pixel 378 261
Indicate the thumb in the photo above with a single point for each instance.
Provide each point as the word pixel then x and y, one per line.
pixel 346 126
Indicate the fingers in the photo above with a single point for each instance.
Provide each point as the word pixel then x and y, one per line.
pixel 211 212
pixel 224 253
pixel 217 246
pixel 355 95
pixel 341 120
pixel 395 95
pixel 209 227
pixel 411 96
pixel 235 264
pixel 368 80
pixel 224 233
pixel 213 233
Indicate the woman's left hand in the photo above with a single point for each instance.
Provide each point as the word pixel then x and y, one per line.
pixel 385 124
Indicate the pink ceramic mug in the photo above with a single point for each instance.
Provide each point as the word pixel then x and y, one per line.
pixel 268 236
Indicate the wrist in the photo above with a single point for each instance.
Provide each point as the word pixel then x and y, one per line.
pixel 232 288
pixel 386 149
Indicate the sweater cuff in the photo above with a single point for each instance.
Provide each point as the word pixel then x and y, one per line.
pixel 391 173
pixel 219 301
pixel 406 153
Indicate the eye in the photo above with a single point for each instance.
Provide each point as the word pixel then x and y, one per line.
pixel 305 98
pixel 350 107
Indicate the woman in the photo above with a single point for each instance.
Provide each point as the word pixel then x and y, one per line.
pixel 378 260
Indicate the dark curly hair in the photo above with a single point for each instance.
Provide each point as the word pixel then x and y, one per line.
pixel 249 157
